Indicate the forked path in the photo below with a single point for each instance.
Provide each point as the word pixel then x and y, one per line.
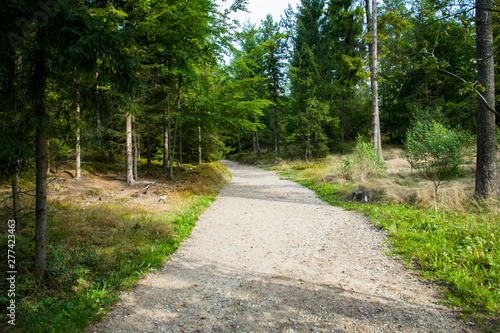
pixel 268 256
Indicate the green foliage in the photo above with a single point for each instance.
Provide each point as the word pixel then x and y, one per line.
pixel 346 168
pixel 368 159
pixel 13 154
pixel 426 56
pixel 498 137
pixel 435 150
pixel 365 163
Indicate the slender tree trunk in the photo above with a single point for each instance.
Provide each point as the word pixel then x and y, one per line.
pixel 368 26
pixel 307 137
pixel 166 134
pixel 376 137
pixel 48 157
pixel 486 166
pixel 169 139
pixel 111 152
pixel 308 145
pixel 257 143
pixel 199 145
pixel 254 143
pixel 172 153
pixel 41 161
pixel 148 145
pixel 342 130
pixel 138 146
pixel 128 154
pixel 99 127
pixel 98 117
pixel 78 171
pixel 15 205
pixel 180 148
pixel 165 144
pixel 136 149
pixel 276 125
pixel 174 139
pixel 41 204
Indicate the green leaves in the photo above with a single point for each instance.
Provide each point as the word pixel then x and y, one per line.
pixel 366 162
pixel 435 150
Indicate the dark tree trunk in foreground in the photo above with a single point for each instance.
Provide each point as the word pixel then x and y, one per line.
pixel 486 167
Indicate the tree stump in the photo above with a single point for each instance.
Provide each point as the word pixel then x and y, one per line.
pixel 361 196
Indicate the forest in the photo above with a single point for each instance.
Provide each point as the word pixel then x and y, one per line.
pixel 162 86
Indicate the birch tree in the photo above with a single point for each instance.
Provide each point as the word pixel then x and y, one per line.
pixel 372 21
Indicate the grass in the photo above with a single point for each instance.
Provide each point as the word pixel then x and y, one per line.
pixel 96 251
pixel 449 239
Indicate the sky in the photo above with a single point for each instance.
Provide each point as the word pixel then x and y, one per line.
pixel 258 9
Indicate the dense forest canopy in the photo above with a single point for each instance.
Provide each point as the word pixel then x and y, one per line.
pixel 149 79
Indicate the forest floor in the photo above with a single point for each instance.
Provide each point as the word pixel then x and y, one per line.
pixel 269 256
pixel 102 237
pixel 95 188
pixel 105 187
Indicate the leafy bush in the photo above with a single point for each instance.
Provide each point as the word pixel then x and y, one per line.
pixel 368 159
pixel 366 162
pixel 346 168
pixel 435 150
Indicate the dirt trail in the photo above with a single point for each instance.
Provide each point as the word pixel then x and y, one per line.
pixel 268 256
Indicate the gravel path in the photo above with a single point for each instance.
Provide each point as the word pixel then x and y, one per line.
pixel 268 256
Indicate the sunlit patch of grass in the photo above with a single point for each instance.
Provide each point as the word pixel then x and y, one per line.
pixel 316 174
pixel 460 249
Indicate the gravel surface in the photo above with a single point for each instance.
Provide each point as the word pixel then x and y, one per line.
pixel 269 256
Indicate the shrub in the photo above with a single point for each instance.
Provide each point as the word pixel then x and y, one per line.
pixel 346 168
pixel 368 159
pixel 435 150
pixel 365 162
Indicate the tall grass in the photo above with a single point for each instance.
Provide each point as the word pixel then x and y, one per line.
pixel 95 252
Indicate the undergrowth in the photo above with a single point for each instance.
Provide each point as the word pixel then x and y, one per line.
pixel 95 252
